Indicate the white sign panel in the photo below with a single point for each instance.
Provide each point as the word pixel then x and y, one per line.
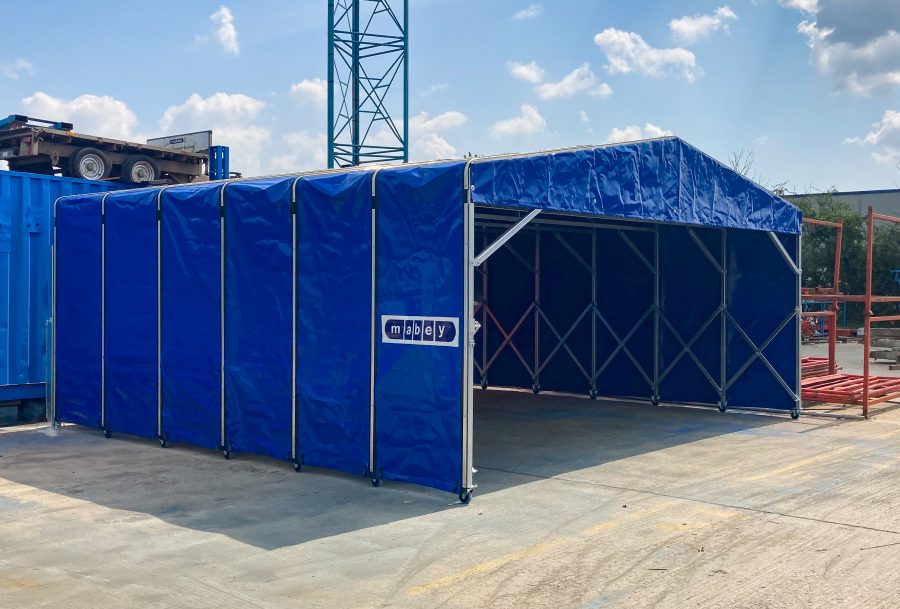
pixel 422 331
pixel 199 141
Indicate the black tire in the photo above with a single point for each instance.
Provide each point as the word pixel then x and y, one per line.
pixel 376 482
pixel 89 164
pixel 138 169
pixel 465 497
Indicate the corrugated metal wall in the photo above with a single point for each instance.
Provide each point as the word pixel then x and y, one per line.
pixel 26 228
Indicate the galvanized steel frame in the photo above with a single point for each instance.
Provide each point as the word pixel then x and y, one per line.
pixel 367 55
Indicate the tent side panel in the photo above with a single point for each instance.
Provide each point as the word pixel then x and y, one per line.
pixel 258 343
pixel 762 296
pixel 78 310
pixel 334 281
pixel 565 304
pixel 131 313
pixel 691 295
pixel 420 316
pixel 624 313
pixel 191 319
pixel 509 301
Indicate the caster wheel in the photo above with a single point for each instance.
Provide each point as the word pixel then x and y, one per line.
pixel 107 432
pixel 226 453
pixel 484 384
pixel 723 406
pixel 535 388
pixel 593 394
pixel 795 414
pixel 298 467
pixel 465 496
pixel 162 442
pixel 655 400
pixel 376 482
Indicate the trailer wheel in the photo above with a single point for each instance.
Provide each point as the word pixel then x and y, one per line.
pixel 139 168
pixel 89 164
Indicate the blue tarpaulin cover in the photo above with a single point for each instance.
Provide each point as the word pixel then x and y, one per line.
pixel 663 180
pixel 334 283
pixel 683 198
pixel 78 321
pixel 131 312
pixel 191 318
pixel 418 385
pixel 258 339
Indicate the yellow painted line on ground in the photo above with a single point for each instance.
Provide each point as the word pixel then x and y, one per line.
pixel 497 563
pixel 800 464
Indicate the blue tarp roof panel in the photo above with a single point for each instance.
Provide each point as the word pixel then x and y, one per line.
pixel 663 180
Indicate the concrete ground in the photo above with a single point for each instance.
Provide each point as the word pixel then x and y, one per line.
pixel 580 504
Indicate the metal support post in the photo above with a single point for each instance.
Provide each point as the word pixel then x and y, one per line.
pixel 723 329
pixel 654 398
pixel 798 328
pixel 535 381
pixel 471 327
pixel 373 328
pixel 836 288
pixel 159 392
pixel 484 316
pixel 331 97
pixel 226 452
pixel 294 304
pixel 594 310
pixel 354 83
pixel 867 313
pixel 103 423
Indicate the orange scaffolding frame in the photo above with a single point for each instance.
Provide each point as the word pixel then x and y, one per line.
pixel 850 389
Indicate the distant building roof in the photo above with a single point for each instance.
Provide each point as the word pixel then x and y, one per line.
pixel 882 201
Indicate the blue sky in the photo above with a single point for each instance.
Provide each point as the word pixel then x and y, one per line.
pixel 812 87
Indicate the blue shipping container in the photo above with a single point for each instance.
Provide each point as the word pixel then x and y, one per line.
pixel 26 228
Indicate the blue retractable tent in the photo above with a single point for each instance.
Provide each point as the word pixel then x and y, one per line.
pixel 341 319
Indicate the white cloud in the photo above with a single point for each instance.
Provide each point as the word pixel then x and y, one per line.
pixel 627 52
pixel 435 88
pixel 690 29
pixel 857 44
pixel 446 120
pixel 426 141
pixel 586 121
pixel 884 138
pixel 529 121
pixel 232 118
pixel 807 6
pixel 580 79
pixel 433 146
pixel 529 72
pixel 602 90
pixel 16 68
pixel 93 114
pixel 863 70
pixel 633 133
pixel 311 92
pixel 529 12
pixel 224 30
pixel 305 151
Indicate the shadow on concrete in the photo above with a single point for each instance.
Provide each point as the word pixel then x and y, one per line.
pixel 548 435
pixel 266 504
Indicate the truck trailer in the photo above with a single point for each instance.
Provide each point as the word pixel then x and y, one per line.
pixel 46 147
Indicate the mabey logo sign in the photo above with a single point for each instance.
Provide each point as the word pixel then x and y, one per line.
pixel 425 331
